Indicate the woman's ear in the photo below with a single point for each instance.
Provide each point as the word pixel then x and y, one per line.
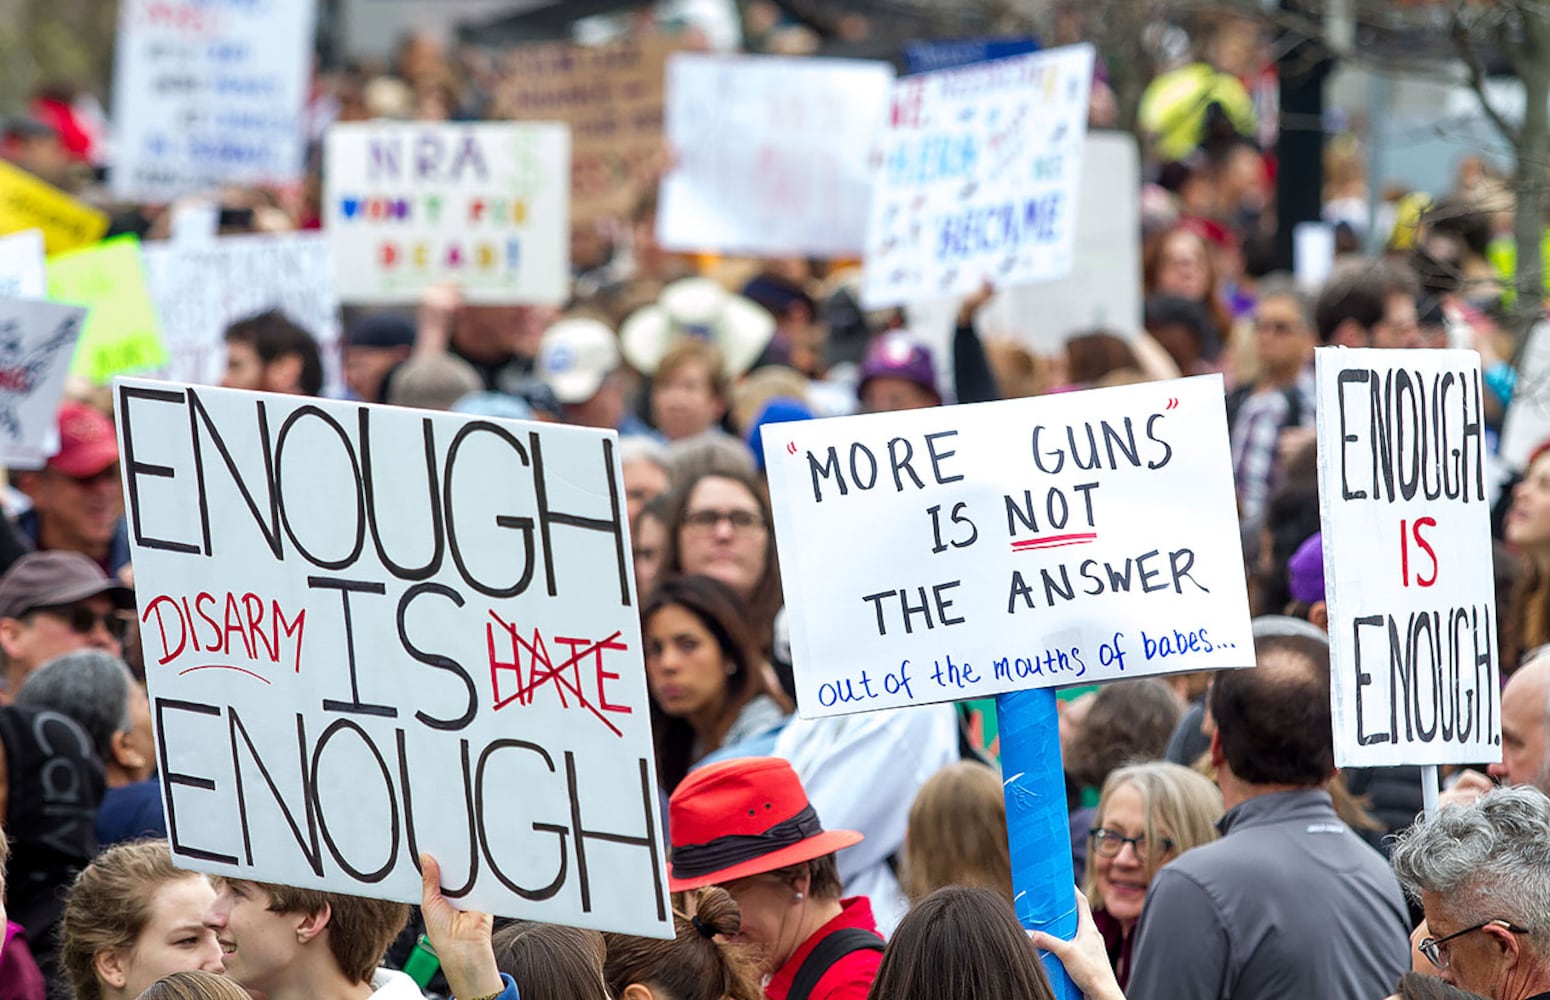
pixel 635 991
pixel 110 968
pixel 124 755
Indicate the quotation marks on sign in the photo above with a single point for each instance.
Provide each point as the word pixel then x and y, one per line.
pixel 791 447
pixel 1173 404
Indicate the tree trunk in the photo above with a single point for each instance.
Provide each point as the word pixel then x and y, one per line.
pixel 1533 165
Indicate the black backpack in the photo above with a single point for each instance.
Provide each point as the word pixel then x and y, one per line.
pixel 830 950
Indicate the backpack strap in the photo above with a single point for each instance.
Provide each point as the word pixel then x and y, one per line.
pixel 845 941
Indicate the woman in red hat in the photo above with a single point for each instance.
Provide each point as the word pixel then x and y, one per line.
pixel 746 825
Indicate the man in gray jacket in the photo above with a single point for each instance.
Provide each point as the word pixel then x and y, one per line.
pixel 1290 903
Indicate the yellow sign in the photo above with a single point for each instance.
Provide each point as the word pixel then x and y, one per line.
pixel 123 331
pixel 28 203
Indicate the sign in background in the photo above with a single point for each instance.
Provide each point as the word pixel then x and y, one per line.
pixel 946 53
pixel 1103 290
pixel 122 333
pixel 372 631
pixel 771 155
pixel 202 287
pixel 1407 557
pixel 27 203
pixel 209 92
pixel 611 96
pixel 964 551
pixel 36 342
pixel 22 275
pixel 979 178
pixel 408 205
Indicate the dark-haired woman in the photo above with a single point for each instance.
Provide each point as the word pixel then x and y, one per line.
pixel 710 687
pixel 700 961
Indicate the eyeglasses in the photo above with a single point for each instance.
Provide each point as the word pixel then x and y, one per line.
pixel 708 520
pixel 83 620
pixel 1277 326
pixel 1108 843
pixel 1435 953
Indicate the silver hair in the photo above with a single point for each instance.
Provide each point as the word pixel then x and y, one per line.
pixel 640 448
pixel 89 686
pixel 1487 861
pixel 1281 286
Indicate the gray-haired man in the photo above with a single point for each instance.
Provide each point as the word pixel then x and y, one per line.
pixel 1482 872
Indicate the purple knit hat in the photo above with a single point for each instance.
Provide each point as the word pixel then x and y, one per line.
pixel 1305 570
pixel 896 355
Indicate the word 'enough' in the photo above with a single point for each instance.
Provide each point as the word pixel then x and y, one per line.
pixel 272 499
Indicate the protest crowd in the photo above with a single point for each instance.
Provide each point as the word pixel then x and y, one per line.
pixel 1222 843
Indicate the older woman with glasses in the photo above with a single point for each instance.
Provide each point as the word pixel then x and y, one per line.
pixel 1148 815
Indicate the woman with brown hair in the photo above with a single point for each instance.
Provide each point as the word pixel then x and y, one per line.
pixel 960 944
pixel 710 688
pixel 957 833
pixel 195 985
pixel 133 917
pixel 551 962
pixel 1527 530
pixel 698 963
pixel 720 525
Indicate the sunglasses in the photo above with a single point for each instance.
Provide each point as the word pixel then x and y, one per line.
pixel 84 621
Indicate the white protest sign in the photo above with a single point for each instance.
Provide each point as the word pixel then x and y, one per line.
pixel 1103 290
pixel 371 631
pixel 771 155
pixel 963 551
pixel 37 340
pixel 22 272
pixel 409 205
pixel 1407 557
pixel 202 287
pixel 1527 425
pixel 209 93
pixel 979 180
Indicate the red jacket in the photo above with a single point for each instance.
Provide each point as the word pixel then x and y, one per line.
pixel 848 979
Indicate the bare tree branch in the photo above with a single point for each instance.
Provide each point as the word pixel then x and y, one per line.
pixel 1467 51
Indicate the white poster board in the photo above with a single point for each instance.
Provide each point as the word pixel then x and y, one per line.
pixel 1103 290
pixel 37 340
pixel 1407 557
pixel 960 552
pixel 202 287
pixel 22 273
pixel 1527 425
pixel 410 204
pixel 771 155
pixel 979 177
pixel 209 93
pixel 371 630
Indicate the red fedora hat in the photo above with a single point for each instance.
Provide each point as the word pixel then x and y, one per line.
pixel 744 817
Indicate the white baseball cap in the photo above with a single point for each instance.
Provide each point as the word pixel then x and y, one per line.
pixel 575 356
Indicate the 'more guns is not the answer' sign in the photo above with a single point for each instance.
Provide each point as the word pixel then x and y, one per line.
pixel 1407 557
pixel 372 632
pixel 964 551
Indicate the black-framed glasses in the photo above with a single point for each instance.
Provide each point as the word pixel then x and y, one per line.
pixel 707 520
pixel 1436 954
pixel 1108 843
pixel 83 620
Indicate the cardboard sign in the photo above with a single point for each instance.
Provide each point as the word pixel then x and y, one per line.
pixel 611 96
pixel 201 288
pixel 410 205
pixel 122 333
pixel 28 203
pixel 959 552
pixel 36 342
pixel 1407 557
pixel 1103 290
pixel 979 180
pixel 21 266
pixel 209 92
pixel 771 155
pixel 371 631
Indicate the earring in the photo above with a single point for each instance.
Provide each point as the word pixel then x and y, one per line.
pixel 801 895
pixel 730 668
